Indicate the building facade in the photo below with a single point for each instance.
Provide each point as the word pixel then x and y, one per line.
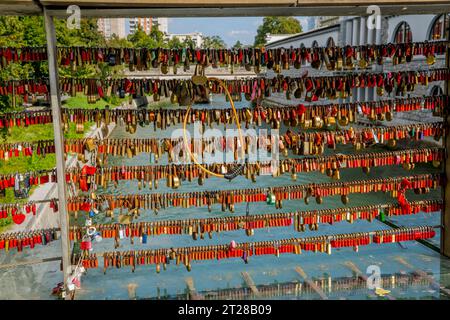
pixel 326 21
pixel 197 37
pixel 110 26
pixel 147 23
pixel 275 37
pixel 357 31
pixel 310 24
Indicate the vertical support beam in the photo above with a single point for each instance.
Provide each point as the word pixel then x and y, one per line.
pixel 378 68
pixel 348 41
pixel 370 40
pixel 341 35
pixel 355 28
pixel 362 31
pixel 348 31
pixel 362 41
pixel 445 217
pixel 355 42
pixel 55 101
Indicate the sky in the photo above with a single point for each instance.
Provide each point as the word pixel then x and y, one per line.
pixel 229 29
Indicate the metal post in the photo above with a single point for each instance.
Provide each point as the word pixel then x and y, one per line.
pixel 445 217
pixel 370 92
pixel 55 101
pixel 348 41
pixel 362 41
pixel 355 42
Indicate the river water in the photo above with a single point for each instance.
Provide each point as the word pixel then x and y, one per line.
pixel 216 276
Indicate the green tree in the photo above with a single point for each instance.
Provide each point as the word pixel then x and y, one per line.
pixel 21 31
pixel 189 43
pixel 30 31
pixel 176 43
pixel 140 39
pixel 116 42
pixel 214 42
pixel 237 45
pixel 87 35
pixel 157 36
pixel 276 25
pixel 105 71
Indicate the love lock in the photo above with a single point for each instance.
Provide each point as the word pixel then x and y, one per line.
pixel 93 212
pixel 86 244
pixel 88 222
pixel 91 231
pixel 270 198
pixel 97 237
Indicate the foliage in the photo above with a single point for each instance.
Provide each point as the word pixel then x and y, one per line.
pixel 80 101
pixel 214 42
pixel 276 25
pixel 31 133
pixel 157 36
pixel 116 42
pixel 30 31
pixel 237 45
pixel 87 35
pixel 189 43
pixel 81 72
pixel 72 134
pixel 176 43
pixel 105 71
pixel 140 39
pixel 22 31
pixel 26 164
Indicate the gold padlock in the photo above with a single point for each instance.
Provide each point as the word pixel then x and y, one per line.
pixel 175 182
pixel 389 116
pixel 392 143
pixel 329 121
pixel 317 122
pixel 336 175
pixel 343 121
pixel 90 144
pixel 307 124
pixel 436 163
pixel 431 59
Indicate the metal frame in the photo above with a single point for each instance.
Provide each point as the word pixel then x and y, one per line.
pixel 55 101
pixel 445 217
pixel 346 8
pixel 336 10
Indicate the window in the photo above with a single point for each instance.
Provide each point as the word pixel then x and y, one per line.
pixel 437 31
pixel 436 91
pixel 330 42
pixel 315 44
pixel 403 33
